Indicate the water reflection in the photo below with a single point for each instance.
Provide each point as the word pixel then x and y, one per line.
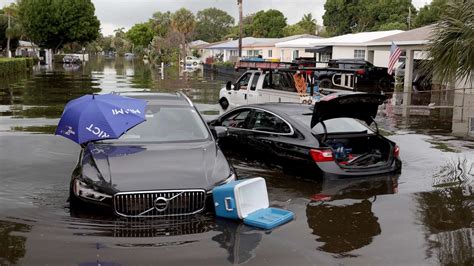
pixel 447 216
pixel 341 214
pixel 447 213
pixel 12 245
pixel 44 94
pixel 99 224
pixel 239 240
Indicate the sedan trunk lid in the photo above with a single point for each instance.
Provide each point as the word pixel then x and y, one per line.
pixel 362 106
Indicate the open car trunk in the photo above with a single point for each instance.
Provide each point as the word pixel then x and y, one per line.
pixel 353 150
pixel 360 152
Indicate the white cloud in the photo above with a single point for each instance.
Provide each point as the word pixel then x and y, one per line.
pixel 125 13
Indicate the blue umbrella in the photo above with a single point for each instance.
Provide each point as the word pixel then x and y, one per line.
pixel 97 117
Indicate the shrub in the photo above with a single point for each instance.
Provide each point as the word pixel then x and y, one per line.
pixel 10 66
pixel 58 58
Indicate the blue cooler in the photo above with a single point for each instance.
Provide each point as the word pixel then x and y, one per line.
pixel 248 200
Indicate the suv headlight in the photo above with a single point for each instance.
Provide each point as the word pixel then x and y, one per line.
pixel 86 191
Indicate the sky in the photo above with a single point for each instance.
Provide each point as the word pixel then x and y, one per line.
pixel 114 14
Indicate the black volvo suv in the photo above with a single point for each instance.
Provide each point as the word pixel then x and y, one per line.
pixel 166 166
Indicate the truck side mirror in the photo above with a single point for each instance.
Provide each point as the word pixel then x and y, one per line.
pixel 228 85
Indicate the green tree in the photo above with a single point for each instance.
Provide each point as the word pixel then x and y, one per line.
pixel 213 24
pixel 183 22
pixel 308 24
pixel 140 34
pixel 294 29
pixel 53 23
pixel 430 13
pixel 119 43
pixel 268 24
pixel 11 27
pixel 452 46
pixel 161 23
pixel 348 16
pixel 246 27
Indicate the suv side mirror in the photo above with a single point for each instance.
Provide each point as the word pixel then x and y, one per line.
pixel 219 132
pixel 228 86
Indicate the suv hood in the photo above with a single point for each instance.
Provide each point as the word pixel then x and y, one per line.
pixel 362 106
pixel 155 166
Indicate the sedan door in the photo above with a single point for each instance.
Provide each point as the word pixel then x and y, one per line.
pixel 267 130
pixel 236 122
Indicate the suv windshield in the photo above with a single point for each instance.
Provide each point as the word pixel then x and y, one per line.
pixel 167 124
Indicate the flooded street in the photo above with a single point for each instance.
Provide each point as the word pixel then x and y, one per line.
pixel 422 216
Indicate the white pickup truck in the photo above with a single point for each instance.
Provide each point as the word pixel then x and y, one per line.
pixel 256 86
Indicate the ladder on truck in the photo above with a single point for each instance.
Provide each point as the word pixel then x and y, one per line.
pixel 264 65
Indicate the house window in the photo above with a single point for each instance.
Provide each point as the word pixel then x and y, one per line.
pixel 359 54
pixel 296 54
pixel 270 53
pixel 325 57
pixel 282 55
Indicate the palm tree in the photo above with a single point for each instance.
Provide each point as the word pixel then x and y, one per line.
pixel 13 27
pixel 308 23
pixel 184 22
pixel 452 45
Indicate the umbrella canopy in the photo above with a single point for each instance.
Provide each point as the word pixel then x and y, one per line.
pixel 97 117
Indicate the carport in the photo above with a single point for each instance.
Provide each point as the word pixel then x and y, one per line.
pixel 411 41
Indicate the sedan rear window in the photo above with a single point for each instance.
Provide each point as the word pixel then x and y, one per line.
pixel 167 124
pixel 336 125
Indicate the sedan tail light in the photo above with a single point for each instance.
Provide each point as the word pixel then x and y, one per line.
pixel 396 151
pixel 321 155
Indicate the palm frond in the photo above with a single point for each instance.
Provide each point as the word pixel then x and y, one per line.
pixel 452 45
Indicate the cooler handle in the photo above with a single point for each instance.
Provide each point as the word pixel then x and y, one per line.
pixel 229 204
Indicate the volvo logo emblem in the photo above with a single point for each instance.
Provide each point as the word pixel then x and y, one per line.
pixel 161 204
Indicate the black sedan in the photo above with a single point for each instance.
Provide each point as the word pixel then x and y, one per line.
pixel 331 139
pixel 166 166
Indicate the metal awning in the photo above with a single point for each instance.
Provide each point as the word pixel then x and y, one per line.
pixel 319 49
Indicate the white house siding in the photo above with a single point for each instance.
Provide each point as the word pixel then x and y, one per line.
pixel 463 111
pixel 339 52
pixel 381 58
pixel 286 54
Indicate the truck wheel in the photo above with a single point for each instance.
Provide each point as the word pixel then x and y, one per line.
pixel 384 84
pixel 224 103
pixel 325 83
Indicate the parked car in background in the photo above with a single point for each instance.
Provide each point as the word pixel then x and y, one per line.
pixel 370 78
pixel 421 76
pixel 331 139
pixel 165 166
pixel 71 59
pixel 129 56
pixel 191 61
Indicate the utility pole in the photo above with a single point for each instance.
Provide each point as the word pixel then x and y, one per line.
pixel 409 17
pixel 9 54
pixel 239 3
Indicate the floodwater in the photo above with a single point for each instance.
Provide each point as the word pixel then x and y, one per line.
pixel 422 216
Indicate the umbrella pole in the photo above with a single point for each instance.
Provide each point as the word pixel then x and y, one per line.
pixel 110 173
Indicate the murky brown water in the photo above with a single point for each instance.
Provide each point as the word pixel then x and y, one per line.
pixel 423 216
